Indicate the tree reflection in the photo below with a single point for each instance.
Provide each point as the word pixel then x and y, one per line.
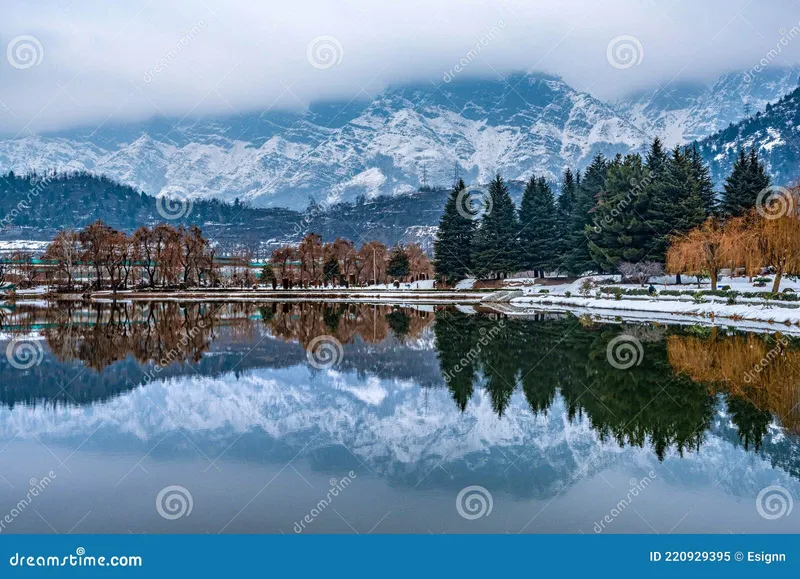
pixel 666 401
pixel 759 374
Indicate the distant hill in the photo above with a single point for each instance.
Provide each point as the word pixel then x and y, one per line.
pixel 775 134
pixel 36 206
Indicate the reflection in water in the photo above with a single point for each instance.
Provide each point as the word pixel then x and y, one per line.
pixel 665 401
pixel 759 374
pixel 529 406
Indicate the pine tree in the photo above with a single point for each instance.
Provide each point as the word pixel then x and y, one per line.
pixel 619 232
pixel 656 160
pixel 538 235
pixel 398 266
pixel 701 176
pixel 676 205
pixel 453 245
pixel 747 179
pixel 586 194
pixel 494 249
pixel 566 205
pixel 330 269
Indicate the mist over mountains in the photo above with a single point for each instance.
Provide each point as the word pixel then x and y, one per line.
pixel 410 136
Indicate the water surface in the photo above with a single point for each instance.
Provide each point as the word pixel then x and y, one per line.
pixel 438 420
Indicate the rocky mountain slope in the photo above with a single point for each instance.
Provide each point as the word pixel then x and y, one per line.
pixel 775 134
pixel 407 136
pixel 686 111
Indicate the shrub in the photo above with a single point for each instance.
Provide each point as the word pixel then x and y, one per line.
pixel 568 294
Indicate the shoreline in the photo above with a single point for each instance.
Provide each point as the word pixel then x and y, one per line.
pixel 764 316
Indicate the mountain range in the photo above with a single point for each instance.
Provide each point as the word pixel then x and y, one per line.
pixel 408 136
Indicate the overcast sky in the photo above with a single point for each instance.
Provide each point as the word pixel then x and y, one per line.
pixel 69 63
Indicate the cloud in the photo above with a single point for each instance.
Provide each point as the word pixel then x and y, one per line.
pixel 105 62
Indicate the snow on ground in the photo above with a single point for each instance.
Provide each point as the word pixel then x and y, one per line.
pixel 426 284
pixel 10 245
pixel 568 295
pixel 466 284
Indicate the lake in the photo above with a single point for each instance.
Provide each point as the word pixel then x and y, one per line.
pixel 357 418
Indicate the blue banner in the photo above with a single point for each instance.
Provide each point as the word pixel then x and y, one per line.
pixel 398 555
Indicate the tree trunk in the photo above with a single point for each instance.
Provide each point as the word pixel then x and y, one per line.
pixel 678 280
pixel 713 280
pixel 777 283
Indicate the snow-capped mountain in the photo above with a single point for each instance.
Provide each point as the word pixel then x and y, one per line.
pixel 775 134
pixel 407 136
pixel 686 111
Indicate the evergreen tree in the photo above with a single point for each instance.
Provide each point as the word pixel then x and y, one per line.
pixel 267 274
pixel 330 269
pixel 566 205
pixel 398 266
pixel 701 176
pixel 453 245
pixel 494 247
pixel 747 179
pixel 656 160
pixel 538 235
pixel 619 232
pixel 586 194
pixel 676 205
